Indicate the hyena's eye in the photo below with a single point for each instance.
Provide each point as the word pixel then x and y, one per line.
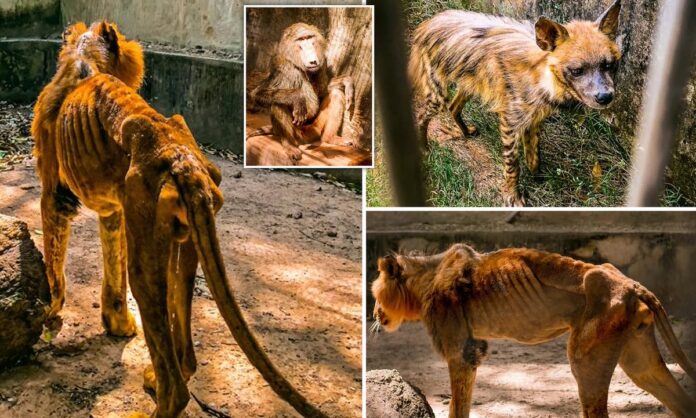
pixel 576 72
pixel 608 66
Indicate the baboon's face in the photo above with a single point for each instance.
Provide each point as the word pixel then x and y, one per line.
pixel 309 51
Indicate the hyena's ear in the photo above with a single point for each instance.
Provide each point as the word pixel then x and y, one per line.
pixel 390 266
pixel 608 22
pixel 549 34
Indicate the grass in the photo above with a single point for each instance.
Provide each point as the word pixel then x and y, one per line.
pixel 584 161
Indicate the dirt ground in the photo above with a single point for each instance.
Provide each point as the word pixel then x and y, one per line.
pixel 292 247
pixel 517 380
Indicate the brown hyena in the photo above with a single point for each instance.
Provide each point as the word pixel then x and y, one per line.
pixel 306 105
pixel 520 70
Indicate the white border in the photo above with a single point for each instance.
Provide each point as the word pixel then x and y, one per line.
pixel 244 70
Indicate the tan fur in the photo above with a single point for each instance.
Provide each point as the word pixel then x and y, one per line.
pixel 465 298
pixel 156 195
pixel 305 103
pixel 520 70
pixel 85 52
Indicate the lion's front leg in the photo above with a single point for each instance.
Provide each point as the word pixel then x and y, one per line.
pixel 462 371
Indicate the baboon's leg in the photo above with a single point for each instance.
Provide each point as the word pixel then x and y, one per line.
pixel 284 129
pixel 531 148
pixel 148 256
pixel 642 362
pixel 182 274
pixel 511 173
pixel 116 317
pixel 327 124
pixel 58 207
pixel 455 107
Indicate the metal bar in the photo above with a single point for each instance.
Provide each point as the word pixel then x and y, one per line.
pixel 663 100
pixel 399 138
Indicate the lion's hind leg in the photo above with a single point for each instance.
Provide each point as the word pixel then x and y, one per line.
pixel 116 317
pixel 642 362
pixel 182 274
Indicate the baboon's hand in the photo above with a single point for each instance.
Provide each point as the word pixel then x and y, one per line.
pixel 299 112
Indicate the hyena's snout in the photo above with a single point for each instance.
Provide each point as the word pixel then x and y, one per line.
pixel 599 90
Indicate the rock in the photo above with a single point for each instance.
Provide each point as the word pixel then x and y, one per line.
pixel 390 396
pixel 24 292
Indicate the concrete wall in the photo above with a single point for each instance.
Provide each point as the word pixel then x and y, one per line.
pixel 657 249
pixel 29 18
pixel 208 23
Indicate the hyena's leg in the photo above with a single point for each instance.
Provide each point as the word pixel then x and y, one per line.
pixel 642 362
pixel 531 148
pixel 58 207
pixel 149 242
pixel 116 317
pixel 511 139
pixel 455 107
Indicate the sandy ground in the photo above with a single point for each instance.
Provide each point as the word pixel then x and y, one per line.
pixel 516 380
pixel 292 247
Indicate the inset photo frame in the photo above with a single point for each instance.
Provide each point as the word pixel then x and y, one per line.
pixel 308 86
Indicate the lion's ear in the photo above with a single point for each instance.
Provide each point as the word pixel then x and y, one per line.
pixel 109 32
pixel 178 122
pixel 390 266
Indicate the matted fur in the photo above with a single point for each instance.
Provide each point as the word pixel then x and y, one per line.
pixel 519 70
pixel 530 296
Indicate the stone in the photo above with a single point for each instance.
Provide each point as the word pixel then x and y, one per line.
pixel 24 292
pixel 390 396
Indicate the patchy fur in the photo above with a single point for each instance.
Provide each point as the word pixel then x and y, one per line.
pixel 520 70
pixel 156 196
pixel 530 296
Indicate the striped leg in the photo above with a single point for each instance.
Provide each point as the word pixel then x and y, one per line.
pixel 455 107
pixel 511 140
pixel 531 149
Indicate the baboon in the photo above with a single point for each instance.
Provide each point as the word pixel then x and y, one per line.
pixel 306 105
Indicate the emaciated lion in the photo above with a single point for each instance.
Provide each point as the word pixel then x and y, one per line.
pixel 85 51
pixel 464 298
pixel 156 195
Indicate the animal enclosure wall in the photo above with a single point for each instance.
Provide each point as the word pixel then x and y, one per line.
pixel 656 249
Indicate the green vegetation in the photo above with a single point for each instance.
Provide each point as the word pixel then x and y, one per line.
pixel 584 160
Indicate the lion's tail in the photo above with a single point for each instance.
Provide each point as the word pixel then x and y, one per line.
pixel 665 328
pixel 202 220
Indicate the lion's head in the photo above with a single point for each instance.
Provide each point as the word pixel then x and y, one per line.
pixel 106 49
pixel 406 282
